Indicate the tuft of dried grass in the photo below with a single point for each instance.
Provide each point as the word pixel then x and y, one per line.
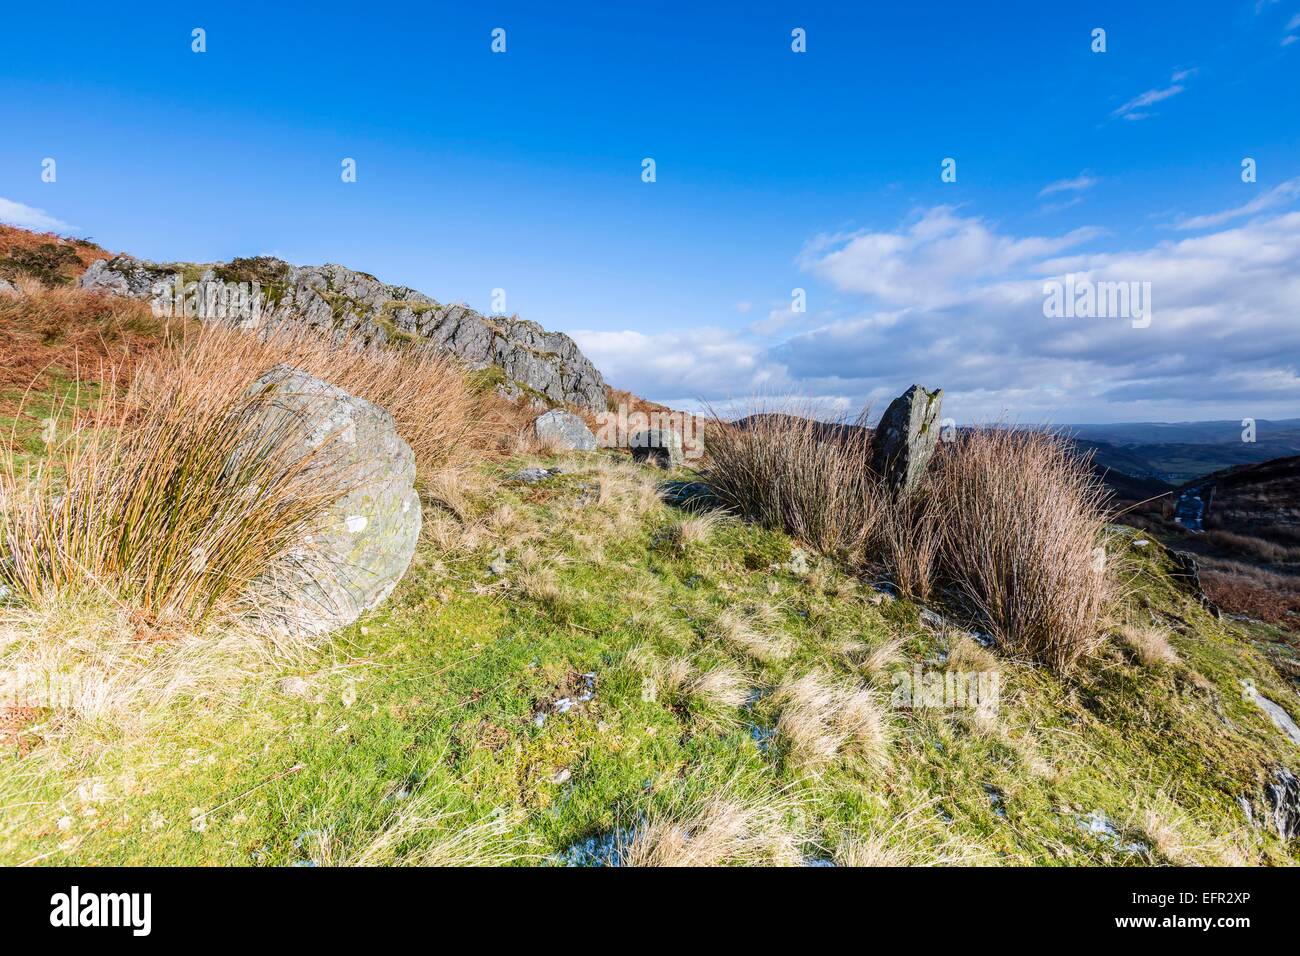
pixel 823 720
pixel 907 841
pixel 719 830
pixel 1150 644
pixel 692 529
pixel 749 632
pixel 424 833
pixel 711 694
pixel 1022 529
pixel 878 661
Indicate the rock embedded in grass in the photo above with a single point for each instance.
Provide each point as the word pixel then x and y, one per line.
pixel 559 430
pixel 365 538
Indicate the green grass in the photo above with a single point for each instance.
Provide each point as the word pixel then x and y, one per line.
pixel 431 702
pixel 30 421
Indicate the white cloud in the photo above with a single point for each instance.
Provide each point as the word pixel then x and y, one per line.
pixel 928 262
pixel 27 217
pixel 1132 110
pixel 1079 183
pixel 706 363
pixel 1293 23
pixel 949 300
pixel 1279 195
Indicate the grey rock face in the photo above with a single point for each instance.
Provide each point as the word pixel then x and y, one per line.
pixel 8 288
pixel 564 431
pixel 657 446
pixel 906 437
pixel 343 301
pixel 1283 797
pixel 365 540
pixel 1281 719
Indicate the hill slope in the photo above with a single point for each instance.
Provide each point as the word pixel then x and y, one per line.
pixel 572 669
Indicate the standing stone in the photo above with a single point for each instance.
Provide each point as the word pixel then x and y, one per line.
pixel 906 437
pixel 564 431
pixel 364 541
pixel 657 446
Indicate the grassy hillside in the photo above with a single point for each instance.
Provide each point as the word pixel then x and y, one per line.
pixel 574 670
pixel 626 674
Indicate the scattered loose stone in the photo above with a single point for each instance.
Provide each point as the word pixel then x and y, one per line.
pixel 600 850
pixel 533 476
pixel 689 495
pixel 995 800
pixel 798 563
pixel 1099 825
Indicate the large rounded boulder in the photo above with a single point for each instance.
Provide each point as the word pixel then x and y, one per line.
pixel 365 538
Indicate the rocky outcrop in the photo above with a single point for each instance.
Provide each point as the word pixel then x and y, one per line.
pixel 346 302
pixel 559 430
pixel 905 439
pixel 365 540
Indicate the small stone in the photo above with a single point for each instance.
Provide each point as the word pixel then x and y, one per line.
pixel 561 776
pixel 293 687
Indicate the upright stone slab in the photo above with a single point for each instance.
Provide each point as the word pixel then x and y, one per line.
pixel 365 540
pixel 906 437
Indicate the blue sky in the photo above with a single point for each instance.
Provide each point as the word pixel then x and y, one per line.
pixel 775 170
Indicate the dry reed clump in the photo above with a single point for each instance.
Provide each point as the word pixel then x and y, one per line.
pixel 719 830
pixel 1149 643
pixel 823 720
pixel 430 398
pixel 173 498
pixel 907 540
pixel 167 491
pixel 795 473
pixel 1022 526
